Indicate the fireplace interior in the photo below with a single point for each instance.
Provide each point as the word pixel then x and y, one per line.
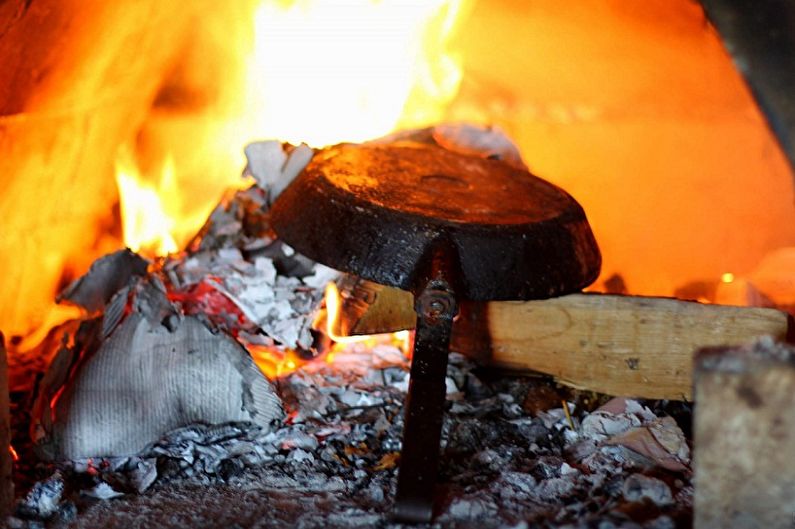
pixel 246 360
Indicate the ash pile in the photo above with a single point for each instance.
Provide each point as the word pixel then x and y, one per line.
pixel 155 410
pixel 513 456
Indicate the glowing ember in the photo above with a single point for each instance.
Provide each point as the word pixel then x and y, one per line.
pixel 275 362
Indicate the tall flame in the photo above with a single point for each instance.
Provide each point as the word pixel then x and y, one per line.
pixel 146 223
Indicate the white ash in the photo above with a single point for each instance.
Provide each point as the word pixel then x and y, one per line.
pixel 237 255
pixel 43 499
pixel 156 370
pixel 274 165
pixel 638 487
pixel 465 138
pixel 105 278
pixel 282 307
pixel 743 359
pixel 615 417
pixel 333 462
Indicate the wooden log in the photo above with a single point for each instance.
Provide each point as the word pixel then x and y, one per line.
pixel 6 484
pixel 619 345
pixel 745 437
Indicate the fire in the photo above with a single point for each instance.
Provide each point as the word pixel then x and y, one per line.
pixel 146 223
pixel 323 72
pixel 275 362
pixel 197 87
pixel 159 214
pixel 332 315
pixel 319 72
pixel 400 339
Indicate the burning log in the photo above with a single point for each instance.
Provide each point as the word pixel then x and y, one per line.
pixel 744 437
pixel 619 345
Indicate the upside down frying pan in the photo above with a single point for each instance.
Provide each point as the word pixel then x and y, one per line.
pixel 447 227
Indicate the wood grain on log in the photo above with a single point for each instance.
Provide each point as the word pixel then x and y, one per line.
pixel 619 345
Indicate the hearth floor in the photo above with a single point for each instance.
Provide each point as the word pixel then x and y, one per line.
pixel 512 457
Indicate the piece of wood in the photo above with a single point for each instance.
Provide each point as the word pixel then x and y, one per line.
pixel 745 437
pixel 6 483
pixel 619 345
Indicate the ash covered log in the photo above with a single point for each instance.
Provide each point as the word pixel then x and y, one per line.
pixel 136 379
pixel 745 437
pixel 618 345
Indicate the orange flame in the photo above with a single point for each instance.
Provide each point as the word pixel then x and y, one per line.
pixel 274 362
pixel 320 72
pixel 146 224
pixel 400 339
pixel 159 214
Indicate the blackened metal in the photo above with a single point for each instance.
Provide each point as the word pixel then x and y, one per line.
pixel 419 458
pixel 375 210
pixel 760 36
pixel 443 225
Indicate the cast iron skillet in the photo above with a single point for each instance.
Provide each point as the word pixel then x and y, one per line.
pixel 448 227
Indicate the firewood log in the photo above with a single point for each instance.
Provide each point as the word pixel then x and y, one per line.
pixel 6 484
pixel 619 345
pixel 744 436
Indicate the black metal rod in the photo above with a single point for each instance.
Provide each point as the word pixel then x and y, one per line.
pixel 419 459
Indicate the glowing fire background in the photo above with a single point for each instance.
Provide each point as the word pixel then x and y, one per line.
pixel 634 108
